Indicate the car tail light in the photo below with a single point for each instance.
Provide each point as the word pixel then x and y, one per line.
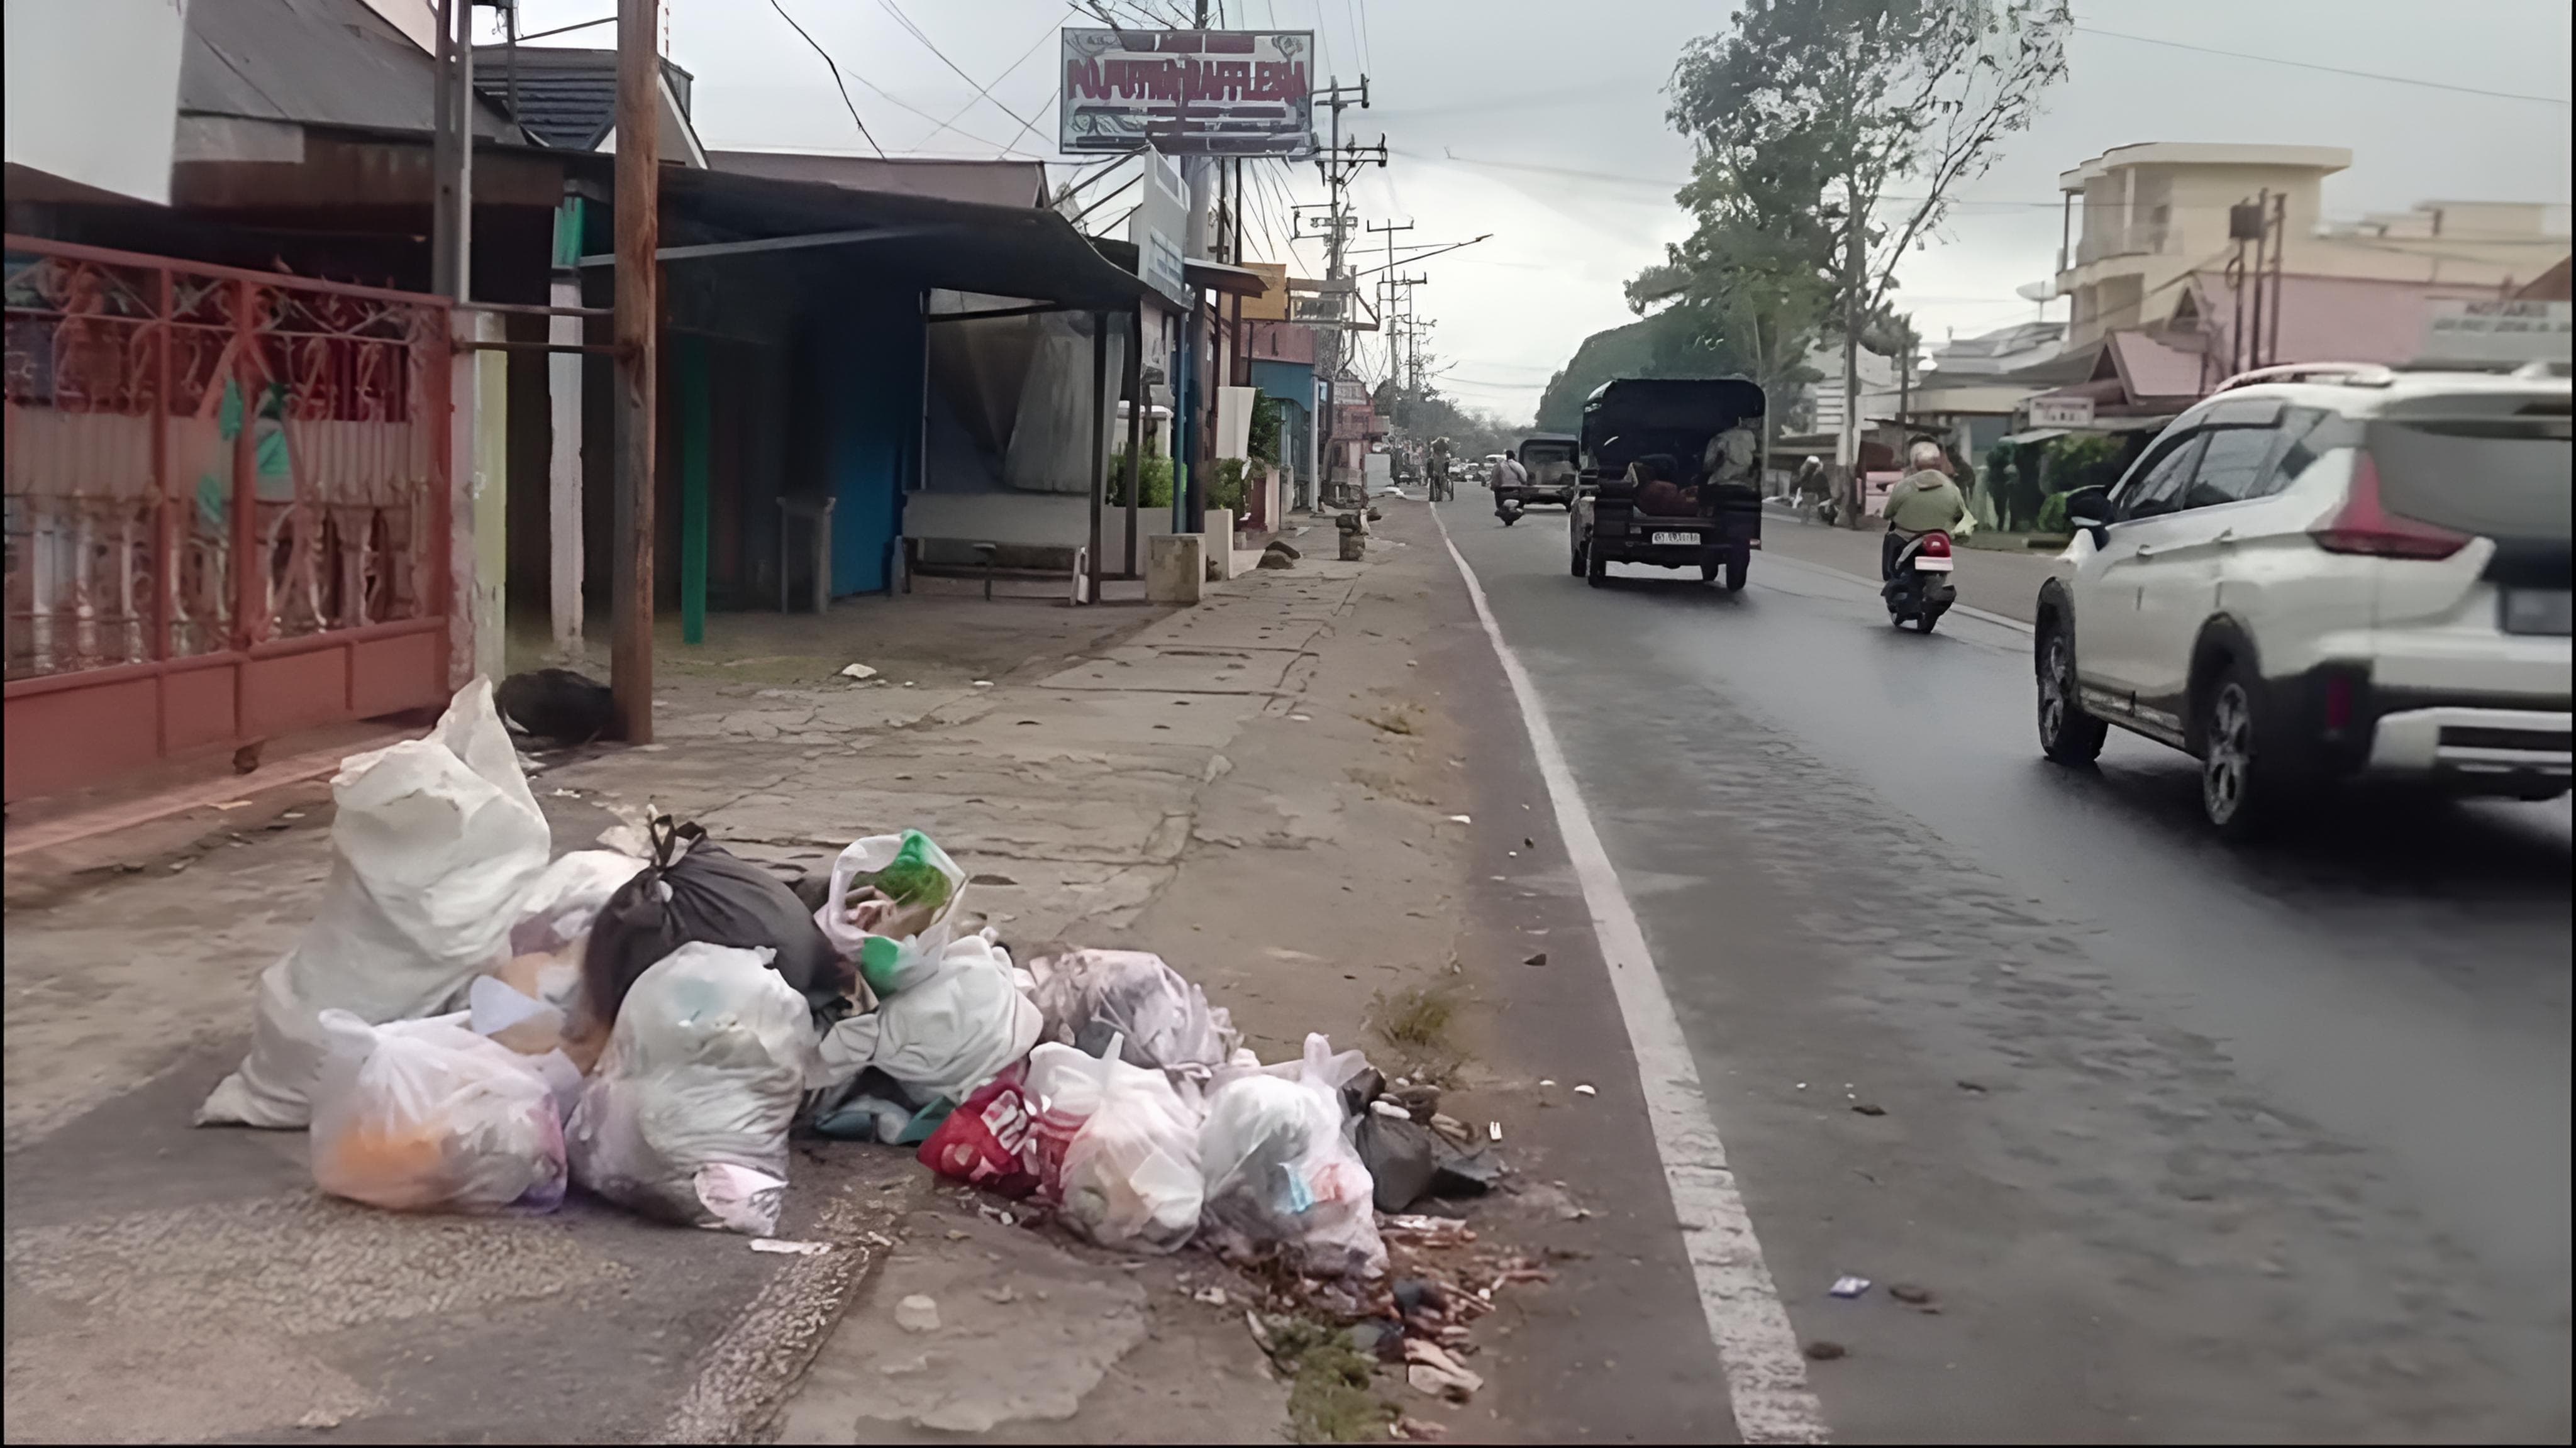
pixel 1936 545
pixel 2361 525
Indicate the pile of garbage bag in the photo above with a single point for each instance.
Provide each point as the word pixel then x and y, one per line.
pixel 469 1026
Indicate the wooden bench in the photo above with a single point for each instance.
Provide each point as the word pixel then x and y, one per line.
pixel 979 558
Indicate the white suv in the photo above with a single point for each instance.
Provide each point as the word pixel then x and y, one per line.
pixel 2324 572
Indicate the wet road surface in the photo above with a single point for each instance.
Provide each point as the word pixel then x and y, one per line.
pixel 2181 1142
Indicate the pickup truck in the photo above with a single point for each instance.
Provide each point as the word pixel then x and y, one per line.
pixel 1710 518
pixel 1549 458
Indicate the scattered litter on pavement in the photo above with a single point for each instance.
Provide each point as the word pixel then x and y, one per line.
pixel 983 683
pixel 1909 1293
pixel 1824 1351
pixel 1462 819
pixel 1415 1430
pixel 1212 1296
pixel 1868 1108
pixel 857 671
pixel 1432 1370
pixel 1493 1131
pixel 917 1313
pixel 793 1249
pixel 234 804
pixel 1584 1089
pixel 1849 1286
pixel 1451 1127
pixel 1539 959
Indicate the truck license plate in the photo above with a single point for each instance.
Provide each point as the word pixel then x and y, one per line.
pixel 1678 540
pixel 2535 611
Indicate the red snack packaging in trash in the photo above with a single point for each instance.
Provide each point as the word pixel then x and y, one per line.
pixel 987 1142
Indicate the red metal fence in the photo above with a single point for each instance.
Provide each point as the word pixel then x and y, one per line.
pixel 227 508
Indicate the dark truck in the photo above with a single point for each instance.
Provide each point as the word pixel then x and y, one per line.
pixel 1551 459
pixel 1712 521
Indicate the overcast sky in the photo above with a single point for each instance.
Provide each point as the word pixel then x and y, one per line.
pixel 1543 123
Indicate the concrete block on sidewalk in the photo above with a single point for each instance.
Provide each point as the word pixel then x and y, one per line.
pixel 1175 568
pixel 1219 547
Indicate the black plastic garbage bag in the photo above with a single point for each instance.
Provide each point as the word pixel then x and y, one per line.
pixel 697 890
pixel 1408 1161
pixel 557 705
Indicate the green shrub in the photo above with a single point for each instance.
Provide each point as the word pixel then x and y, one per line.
pixel 1225 484
pixel 2052 514
pixel 1155 478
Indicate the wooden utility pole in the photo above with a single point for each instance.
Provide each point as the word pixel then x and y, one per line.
pixel 630 663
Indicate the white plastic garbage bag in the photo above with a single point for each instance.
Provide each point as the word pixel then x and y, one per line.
pixel 901 937
pixel 944 1034
pixel 705 1068
pixel 1130 1176
pixel 1088 996
pixel 558 909
pixel 426 1116
pixel 435 842
pixel 1278 1169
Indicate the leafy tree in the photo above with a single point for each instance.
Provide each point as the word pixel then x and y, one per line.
pixel 1826 127
pixel 1268 415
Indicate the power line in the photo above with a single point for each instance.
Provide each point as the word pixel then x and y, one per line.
pixel 2327 69
pixel 985 91
pixel 833 66
pixel 916 32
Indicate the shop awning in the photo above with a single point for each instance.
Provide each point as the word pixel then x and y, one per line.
pixel 906 240
pixel 2036 434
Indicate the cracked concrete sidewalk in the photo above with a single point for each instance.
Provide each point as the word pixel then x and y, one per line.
pixel 1258 788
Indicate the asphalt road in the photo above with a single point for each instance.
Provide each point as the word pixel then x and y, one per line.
pixel 2183 1142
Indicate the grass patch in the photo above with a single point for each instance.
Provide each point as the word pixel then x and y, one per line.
pixel 1328 1395
pixel 1414 1020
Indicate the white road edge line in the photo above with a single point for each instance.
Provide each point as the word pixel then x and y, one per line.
pixel 1766 1374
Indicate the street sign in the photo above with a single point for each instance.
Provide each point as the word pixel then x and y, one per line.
pixel 2061 412
pixel 2492 333
pixel 1188 92
pixel 1160 223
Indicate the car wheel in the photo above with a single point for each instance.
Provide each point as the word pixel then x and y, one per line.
pixel 2067 734
pixel 1596 569
pixel 1736 572
pixel 2243 780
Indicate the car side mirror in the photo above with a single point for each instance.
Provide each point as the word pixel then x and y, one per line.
pixel 2090 510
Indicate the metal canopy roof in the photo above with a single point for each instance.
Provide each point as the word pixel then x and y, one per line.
pixel 910 241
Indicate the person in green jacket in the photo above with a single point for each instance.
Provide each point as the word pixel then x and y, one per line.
pixel 1924 501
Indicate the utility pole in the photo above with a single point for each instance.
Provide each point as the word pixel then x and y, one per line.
pixel 1847 445
pixel 1339 163
pixel 630 662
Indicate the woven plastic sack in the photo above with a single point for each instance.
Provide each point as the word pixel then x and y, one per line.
pixel 434 844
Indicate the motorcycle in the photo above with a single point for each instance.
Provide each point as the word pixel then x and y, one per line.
pixel 1509 510
pixel 1918 588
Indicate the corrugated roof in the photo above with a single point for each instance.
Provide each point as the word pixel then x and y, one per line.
pixel 567 97
pixel 311 62
pixel 1009 251
pixel 989 183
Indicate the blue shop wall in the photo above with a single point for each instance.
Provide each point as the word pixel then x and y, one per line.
pixel 869 391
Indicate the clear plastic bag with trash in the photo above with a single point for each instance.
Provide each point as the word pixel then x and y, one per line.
pixel 893 908
pixel 1279 1169
pixel 1090 996
pixel 427 1116
pixel 1127 1173
pixel 947 1032
pixel 705 1069
pixel 434 842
